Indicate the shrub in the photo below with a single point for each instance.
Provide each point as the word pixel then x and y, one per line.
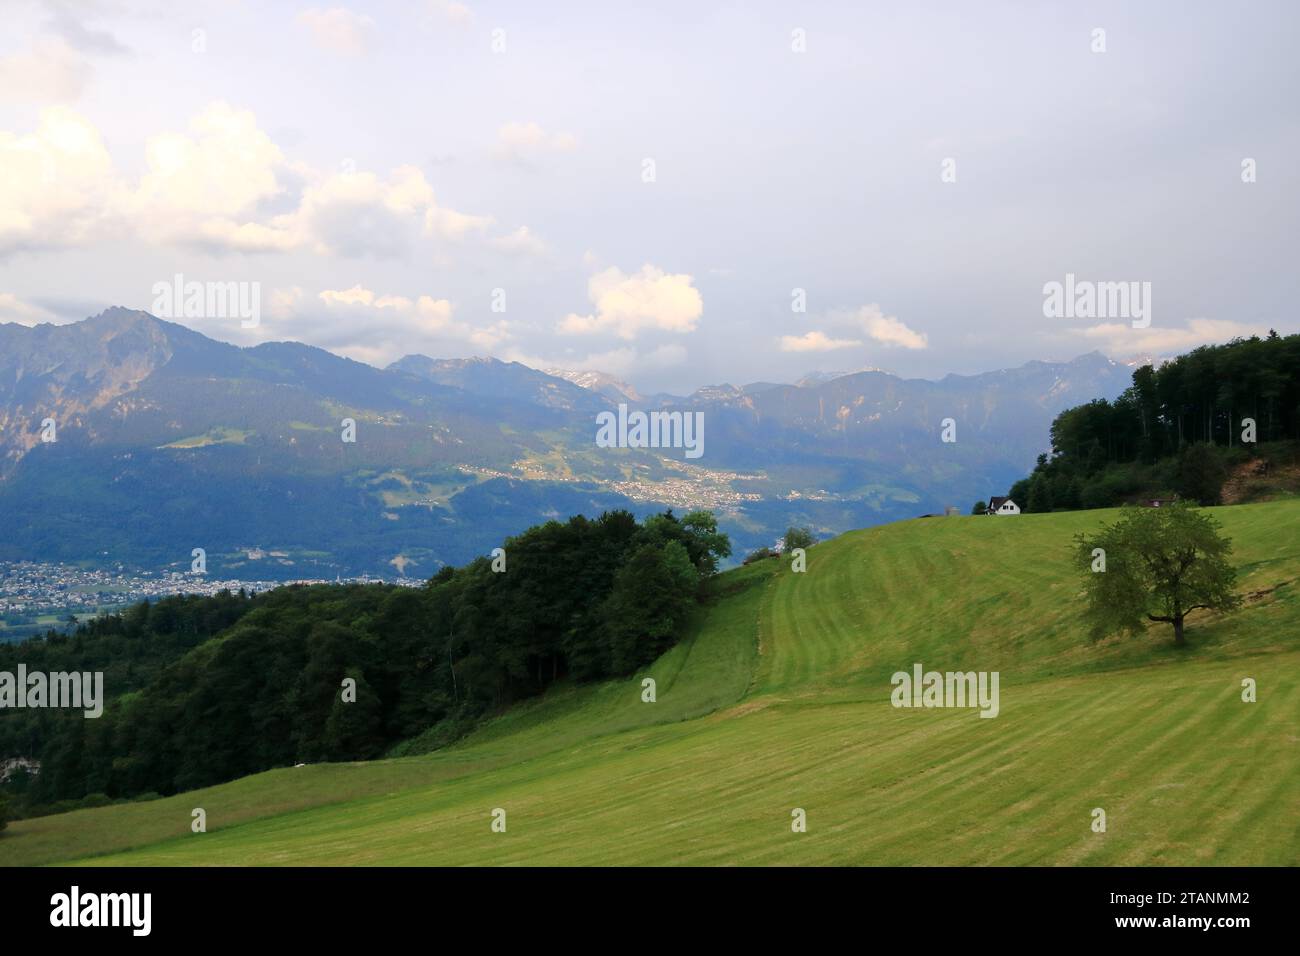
pixel 798 538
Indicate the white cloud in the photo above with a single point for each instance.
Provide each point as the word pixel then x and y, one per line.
pixel 223 185
pixel 425 314
pixel 449 224
pixel 356 214
pixel 339 30
pixel 56 184
pixel 814 342
pixel 206 185
pixel 887 329
pixel 522 141
pixel 52 72
pixel 1121 339
pixel 451 11
pixel 628 304
pixel 354 296
pixel 519 242
pixel 370 326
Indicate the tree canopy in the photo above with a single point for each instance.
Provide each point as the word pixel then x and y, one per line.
pixel 202 690
pixel 798 538
pixel 1173 430
pixel 1155 564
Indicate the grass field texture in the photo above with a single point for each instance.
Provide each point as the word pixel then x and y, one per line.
pixel 779 699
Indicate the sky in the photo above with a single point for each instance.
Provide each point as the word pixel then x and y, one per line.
pixel 679 195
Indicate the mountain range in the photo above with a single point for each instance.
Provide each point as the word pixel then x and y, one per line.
pixel 166 441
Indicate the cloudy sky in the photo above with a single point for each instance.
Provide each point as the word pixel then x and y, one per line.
pixel 686 194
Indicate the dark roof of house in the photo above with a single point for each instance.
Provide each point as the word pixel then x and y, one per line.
pixel 996 503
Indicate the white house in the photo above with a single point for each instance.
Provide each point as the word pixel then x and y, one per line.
pixel 12 765
pixel 1002 506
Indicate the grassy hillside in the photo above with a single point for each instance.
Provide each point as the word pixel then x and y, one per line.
pixel 780 699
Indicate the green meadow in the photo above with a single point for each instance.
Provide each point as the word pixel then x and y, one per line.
pixel 780 699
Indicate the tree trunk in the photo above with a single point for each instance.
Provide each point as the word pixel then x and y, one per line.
pixel 1178 632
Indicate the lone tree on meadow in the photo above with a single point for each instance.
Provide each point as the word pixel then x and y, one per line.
pixel 1155 564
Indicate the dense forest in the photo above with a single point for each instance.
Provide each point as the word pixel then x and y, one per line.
pixel 1179 429
pixel 203 690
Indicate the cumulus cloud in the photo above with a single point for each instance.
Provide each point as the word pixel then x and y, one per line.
pixel 373 327
pixel 626 305
pixel 425 314
pixel 1121 339
pixel 452 12
pixel 56 184
pixel 449 224
pixel 355 214
pixel 222 185
pixel 339 30
pixel 524 141
pixel 519 242
pixel 205 185
pixel 887 329
pixel 815 342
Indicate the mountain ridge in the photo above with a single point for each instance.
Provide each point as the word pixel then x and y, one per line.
pixel 590 379
pixel 245 449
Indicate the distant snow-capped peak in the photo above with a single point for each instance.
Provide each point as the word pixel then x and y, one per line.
pixel 596 381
